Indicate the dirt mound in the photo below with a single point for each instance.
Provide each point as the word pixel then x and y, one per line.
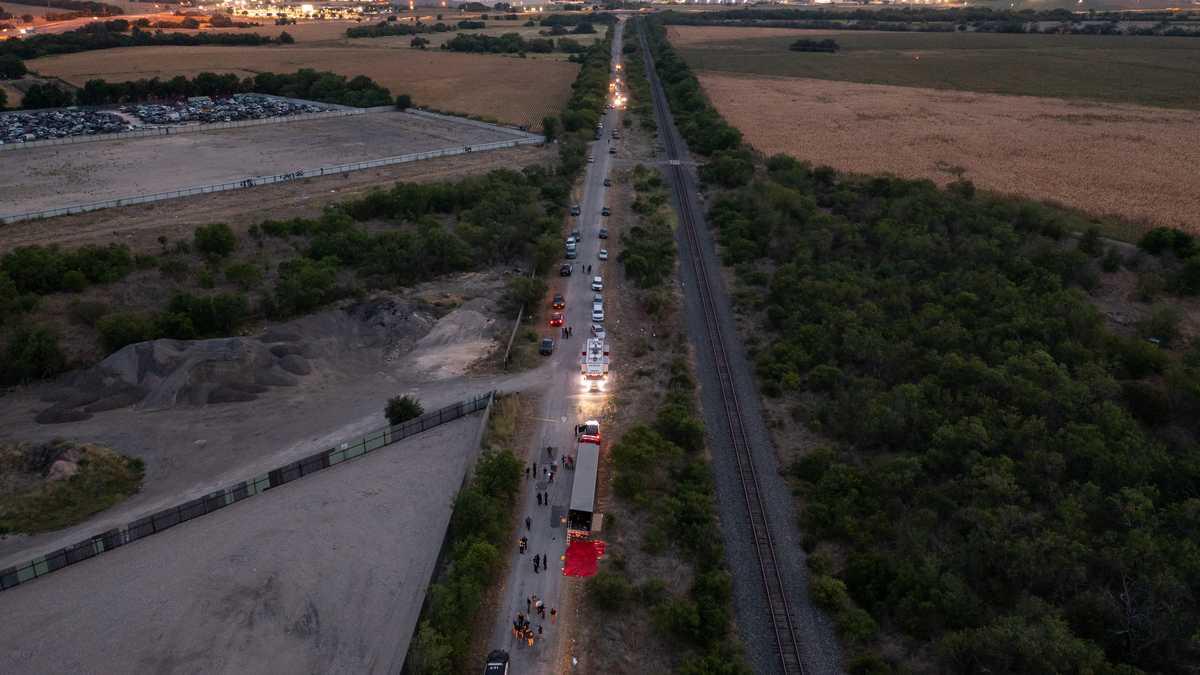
pixel 458 340
pixel 162 374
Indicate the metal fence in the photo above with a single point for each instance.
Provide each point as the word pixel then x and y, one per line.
pixel 176 129
pixel 255 181
pixel 170 517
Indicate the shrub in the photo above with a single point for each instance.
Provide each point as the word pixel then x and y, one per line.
pixel 609 591
pixel 125 328
pixel 32 352
pixel 215 241
pixel 246 275
pixel 1163 239
pixel 304 285
pixel 1162 325
pixel 87 312
pixel 401 409
pixel 525 292
pixel 404 101
pixel 74 281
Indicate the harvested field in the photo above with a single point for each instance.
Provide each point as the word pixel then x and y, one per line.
pixel 56 176
pixel 1134 162
pixel 467 83
pixel 1157 71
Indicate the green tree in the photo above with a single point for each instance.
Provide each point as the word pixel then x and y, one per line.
pixel 47 95
pixel 401 409
pixel 550 128
pixel 214 241
pixel 32 352
pixel 11 67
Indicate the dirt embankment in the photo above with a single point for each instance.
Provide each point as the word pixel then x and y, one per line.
pixel 1130 161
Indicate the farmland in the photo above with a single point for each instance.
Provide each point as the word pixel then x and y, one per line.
pixel 1128 161
pixel 475 84
pixel 1156 71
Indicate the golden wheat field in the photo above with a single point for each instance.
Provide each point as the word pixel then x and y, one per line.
pixel 506 89
pixel 1131 161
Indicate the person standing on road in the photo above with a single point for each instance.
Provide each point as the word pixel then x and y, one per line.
pixel 535 469
pixel 539 498
pixel 553 614
pixel 528 523
pixel 536 563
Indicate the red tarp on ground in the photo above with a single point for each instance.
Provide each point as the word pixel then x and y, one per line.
pixel 583 557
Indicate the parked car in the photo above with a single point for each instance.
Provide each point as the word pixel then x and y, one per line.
pixel 591 159
pixel 598 331
pixel 604 211
pixel 575 210
pixel 597 297
pixel 564 271
pixel 556 319
pixel 612 150
pixel 559 301
pixel 575 235
pixel 607 182
pixel 604 233
pixel 597 314
pixel 497 663
pixel 604 254
pixel 597 284
pixel 547 346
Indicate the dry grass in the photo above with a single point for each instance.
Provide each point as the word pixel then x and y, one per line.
pixel 468 83
pixel 1135 162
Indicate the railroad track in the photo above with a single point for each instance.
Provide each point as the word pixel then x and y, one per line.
pixel 784 625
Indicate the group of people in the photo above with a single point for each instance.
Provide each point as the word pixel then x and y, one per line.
pixel 567 331
pixel 522 628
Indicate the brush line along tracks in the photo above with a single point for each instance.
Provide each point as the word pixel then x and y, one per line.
pixel 786 637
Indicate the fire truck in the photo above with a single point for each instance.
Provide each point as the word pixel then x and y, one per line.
pixel 593 364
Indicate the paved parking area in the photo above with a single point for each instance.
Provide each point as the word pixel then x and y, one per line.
pixel 325 575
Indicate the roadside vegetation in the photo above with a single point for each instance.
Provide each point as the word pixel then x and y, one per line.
pixel 49 486
pixel 480 529
pixel 1001 481
pixel 391 28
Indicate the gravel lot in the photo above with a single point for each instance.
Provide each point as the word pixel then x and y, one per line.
pixel 323 575
pixel 44 178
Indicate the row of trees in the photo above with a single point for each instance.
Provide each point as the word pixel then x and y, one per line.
pixel 392 28
pixel 661 469
pixel 96 36
pixel 480 529
pixel 827 46
pixel 1009 486
pixel 510 43
pixel 306 83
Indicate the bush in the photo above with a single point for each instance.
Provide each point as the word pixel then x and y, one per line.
pixel 304 285
pixel 246 275
pixel 525 292
pixel 215 241
pixel 1163 239
pixel 32 352
pixel 609 591
pixel 87 312
pixel 46 96
pixel 125 328
pixel 11 67
pixel 404 102
pixel 401 409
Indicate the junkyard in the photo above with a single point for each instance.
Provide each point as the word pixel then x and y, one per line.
pixel 25 127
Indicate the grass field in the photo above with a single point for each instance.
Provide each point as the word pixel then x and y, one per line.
pixel 508 90
pixel 1154 71
pixel 1137 163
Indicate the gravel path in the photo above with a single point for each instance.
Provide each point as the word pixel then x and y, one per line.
pixel 821 652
